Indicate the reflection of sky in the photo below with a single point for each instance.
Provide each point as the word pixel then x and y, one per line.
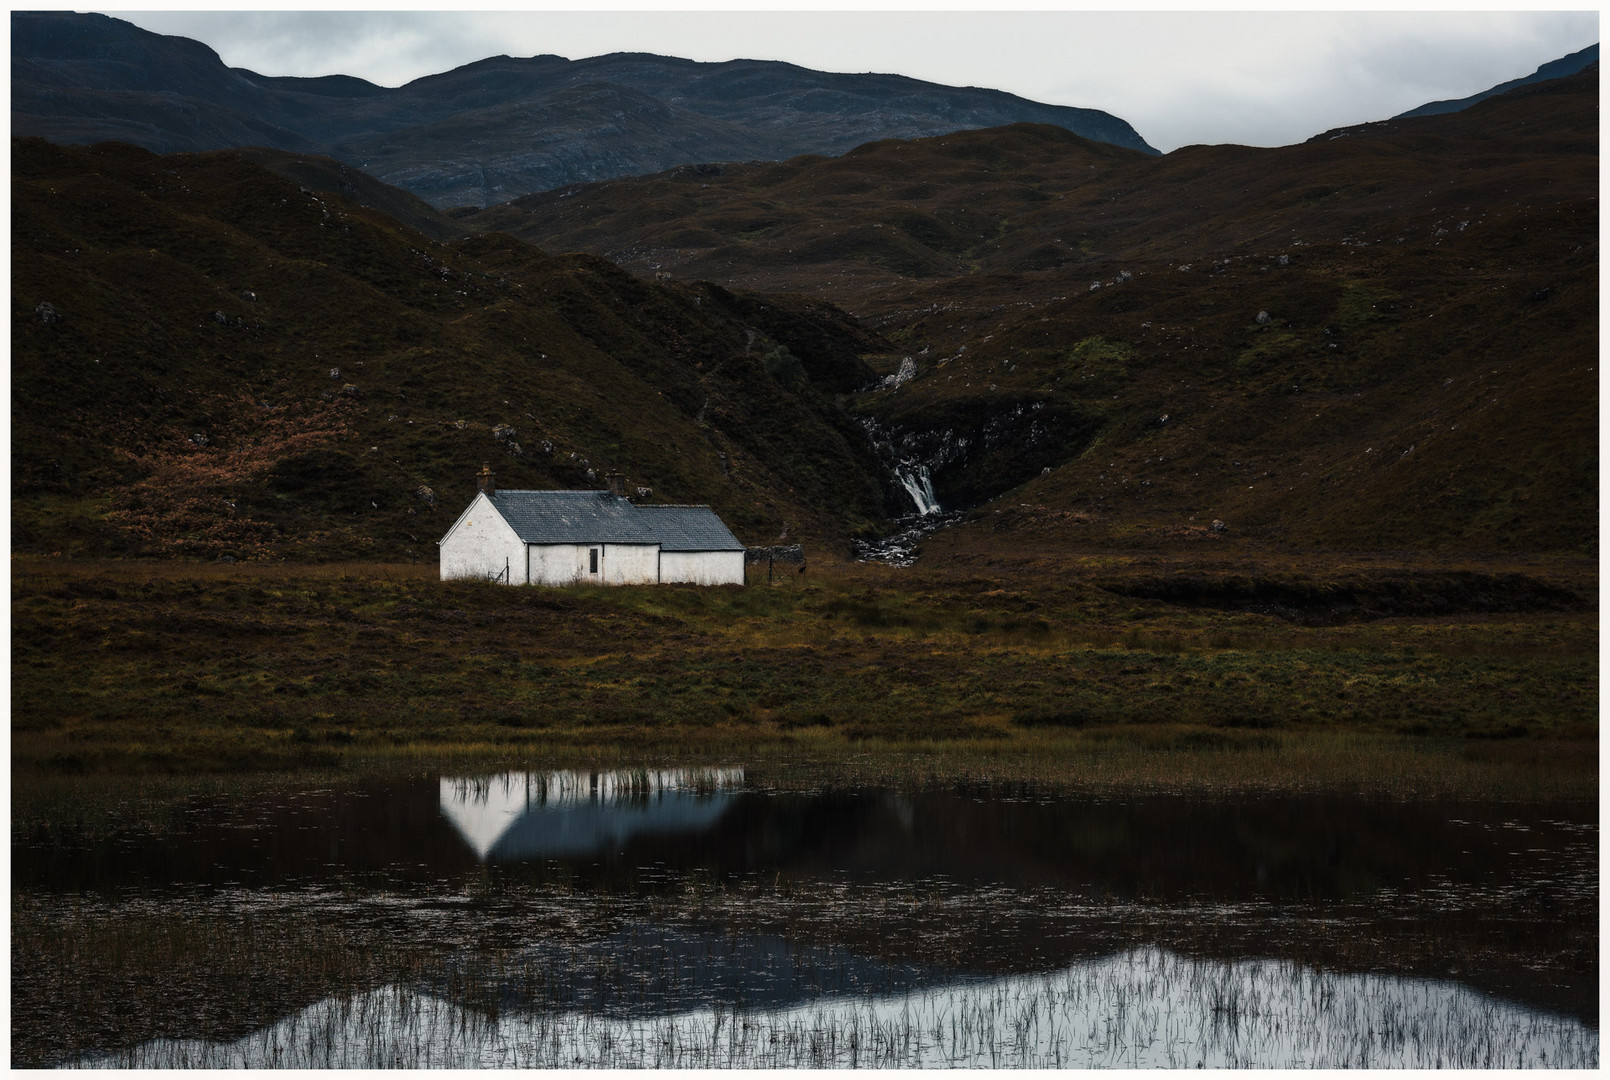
pixel 551 815
pixel 1145 1008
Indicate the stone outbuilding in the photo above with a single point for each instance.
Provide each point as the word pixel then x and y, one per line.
pixel 576 537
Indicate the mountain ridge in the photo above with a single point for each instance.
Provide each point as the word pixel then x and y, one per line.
pixel 1566 65
pixel 490 130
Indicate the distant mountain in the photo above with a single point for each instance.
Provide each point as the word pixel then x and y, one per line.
pixel 1554 69
pixel 489 131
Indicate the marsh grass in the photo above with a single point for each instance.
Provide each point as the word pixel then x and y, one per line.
pixel 497 965
pixel 207 668
pixel 1137 1009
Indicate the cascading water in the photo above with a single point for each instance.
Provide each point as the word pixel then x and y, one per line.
pixel 915 479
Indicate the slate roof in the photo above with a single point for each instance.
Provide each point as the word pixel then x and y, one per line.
pixel 689 528
pixel 598 517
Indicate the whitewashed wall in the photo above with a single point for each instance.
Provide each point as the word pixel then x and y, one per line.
pixel 630 564
pixel 618 564
pixel 558 564
pixel 702 567
pixel 481 544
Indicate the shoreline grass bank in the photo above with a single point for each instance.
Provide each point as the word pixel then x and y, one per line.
pixel 156 669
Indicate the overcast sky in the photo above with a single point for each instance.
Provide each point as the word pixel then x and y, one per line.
pixel 1263 78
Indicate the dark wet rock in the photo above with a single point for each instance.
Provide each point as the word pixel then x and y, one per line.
pixel 900 548
pixel 1219 526
pixel 47 313
pixel 248 296
pixel 505 433
pixel 199 439
pixel 425 495
pixel 220 318
pixel 1263 318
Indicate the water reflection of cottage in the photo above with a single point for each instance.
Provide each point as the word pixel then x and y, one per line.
pixel 579 537
pixel 520 816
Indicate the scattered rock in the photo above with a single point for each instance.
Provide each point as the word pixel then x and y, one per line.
pixel 1095 286
pixel 645 493
pixel 348 390
pixel 199 439
pixel 425 495
pixel 47 313
pixel 1219 526
pixel 248 296
pixel 461 424
pixel 907 372
pixel 547 447
pixel 1263 318
pixel 1542 294
pixel 1283 260
pixel 505 433
pixel 1123 277
pixel 220 318
pixel 335 373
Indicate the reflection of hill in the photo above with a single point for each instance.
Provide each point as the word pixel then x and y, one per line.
pixel 1139 1009
pixel 569 815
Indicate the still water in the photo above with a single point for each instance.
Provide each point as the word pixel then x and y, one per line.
pixel 708 918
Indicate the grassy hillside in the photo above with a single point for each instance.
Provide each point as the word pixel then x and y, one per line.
pixel 209 360
pixel 1384 339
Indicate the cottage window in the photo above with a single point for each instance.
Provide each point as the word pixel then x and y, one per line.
pixel 592 560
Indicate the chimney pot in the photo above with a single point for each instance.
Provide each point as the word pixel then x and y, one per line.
pixel 616 483
pixel 486 482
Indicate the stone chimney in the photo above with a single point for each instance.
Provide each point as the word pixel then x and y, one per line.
pixel 485 481
pixel 616 483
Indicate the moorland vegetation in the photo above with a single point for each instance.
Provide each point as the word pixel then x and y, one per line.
pixel 1257 448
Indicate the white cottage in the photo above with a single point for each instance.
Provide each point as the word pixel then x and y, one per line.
pixel 572 537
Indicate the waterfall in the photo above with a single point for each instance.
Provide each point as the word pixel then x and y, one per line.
pixel 915 479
